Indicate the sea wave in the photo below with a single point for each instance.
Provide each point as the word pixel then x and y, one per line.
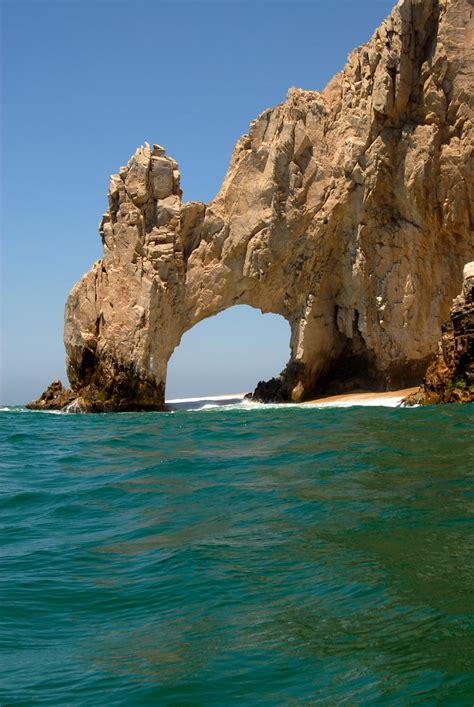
pixel 14 408
pixel 247 554
pixel 227 403
pixel 239 403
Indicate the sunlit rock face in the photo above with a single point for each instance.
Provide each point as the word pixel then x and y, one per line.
pixel 346 212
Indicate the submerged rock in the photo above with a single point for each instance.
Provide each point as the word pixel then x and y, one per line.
pixel 450 378
pixel 346 212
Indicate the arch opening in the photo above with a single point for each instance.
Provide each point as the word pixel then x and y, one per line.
pixel 228 354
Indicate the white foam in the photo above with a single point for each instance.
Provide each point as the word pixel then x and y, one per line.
pixel 14 408
pixel 23 409
pixel 205 403
pixel 237 402
pixel 228 396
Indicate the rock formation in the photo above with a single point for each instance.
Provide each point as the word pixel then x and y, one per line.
pixel 450 378
pixel 347 212
pixel 55 397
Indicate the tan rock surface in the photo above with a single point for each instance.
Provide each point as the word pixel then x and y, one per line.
pixel 348 212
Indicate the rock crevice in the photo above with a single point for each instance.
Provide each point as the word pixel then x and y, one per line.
pixel 450 377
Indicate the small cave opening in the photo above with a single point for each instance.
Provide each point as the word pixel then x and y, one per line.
pixel 228 354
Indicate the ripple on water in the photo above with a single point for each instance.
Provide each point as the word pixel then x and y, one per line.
pixel 237 556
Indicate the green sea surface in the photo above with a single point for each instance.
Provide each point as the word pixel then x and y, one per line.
pixel 237 556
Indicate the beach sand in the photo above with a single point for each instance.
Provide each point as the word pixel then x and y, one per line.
pixel 363 398
pixel 390 398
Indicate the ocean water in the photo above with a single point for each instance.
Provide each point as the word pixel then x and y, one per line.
pixel 237 555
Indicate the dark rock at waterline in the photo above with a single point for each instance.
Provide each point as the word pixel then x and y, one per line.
pixel 271 391
pixel 284 388
pixel 55 397
pixel 450 377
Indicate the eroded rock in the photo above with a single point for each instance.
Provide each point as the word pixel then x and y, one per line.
pixel 347 212
pixel 55 397
pixel 450 378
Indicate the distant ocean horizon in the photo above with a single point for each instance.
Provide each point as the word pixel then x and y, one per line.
pixel 226 552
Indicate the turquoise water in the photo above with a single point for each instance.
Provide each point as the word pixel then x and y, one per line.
pixel 237 557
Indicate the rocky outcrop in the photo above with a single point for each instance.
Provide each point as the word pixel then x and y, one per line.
pixel 450 378
pixel 55 397
pixel 347 212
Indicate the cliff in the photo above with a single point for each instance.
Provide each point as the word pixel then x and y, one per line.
pixel 450 377
pixel 348 212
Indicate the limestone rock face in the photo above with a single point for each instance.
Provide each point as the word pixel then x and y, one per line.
pixel 450 378
pixel 348 212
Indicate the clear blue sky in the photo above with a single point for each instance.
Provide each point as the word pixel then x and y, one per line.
pixel 85 83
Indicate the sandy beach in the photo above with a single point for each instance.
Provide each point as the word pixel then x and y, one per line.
pixel 363 398
pixel 390 398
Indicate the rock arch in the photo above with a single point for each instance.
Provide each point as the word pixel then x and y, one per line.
pixel 346 212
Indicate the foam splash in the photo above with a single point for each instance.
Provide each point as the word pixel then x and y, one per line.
pixel 210 402
pixel 227 396
pixel 237 402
